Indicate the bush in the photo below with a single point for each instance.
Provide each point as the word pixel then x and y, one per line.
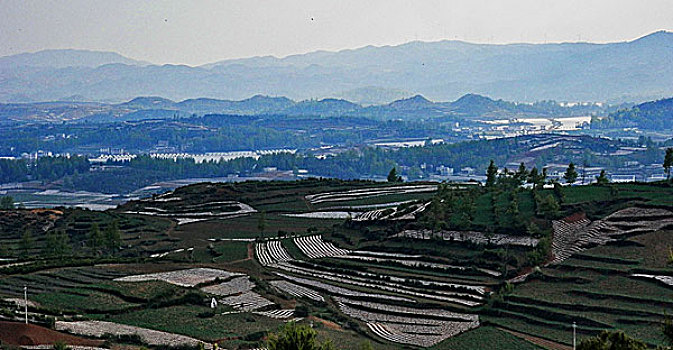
pixel 293 337
pixel 611 340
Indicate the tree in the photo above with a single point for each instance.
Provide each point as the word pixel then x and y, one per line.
pixel 521 174
pixel 57 244
pixel 491 174
pixel 571 174
pixel 26 242
pixel 536 178
pixel 294 337
pixel 392 176
pixel 668 162
pixel 547 206
pixel 112 237
pixel 95 239
pixel 7 203
pixel 611 341
pixel 602 179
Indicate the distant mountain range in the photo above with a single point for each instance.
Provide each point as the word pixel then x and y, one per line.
pixel 468 107
pixel 637 70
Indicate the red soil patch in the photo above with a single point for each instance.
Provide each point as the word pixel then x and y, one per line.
pixel 328 324
pixel 16 333
pixel 575 217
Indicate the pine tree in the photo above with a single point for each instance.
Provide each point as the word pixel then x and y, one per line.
pixel 95 239
pixel 571 174
pixel 521 174
pixel 26 242
pixel 57 244
pixel 668 162
pixel 392 176
pixel 112 237
pixel 602 179
pixel 7 203
pixel 491 174
pixel 548 206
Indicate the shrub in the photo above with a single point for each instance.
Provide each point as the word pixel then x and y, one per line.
pixel 293 337
pixel 611 340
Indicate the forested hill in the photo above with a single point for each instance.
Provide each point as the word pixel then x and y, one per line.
pixel 655 115
pixel 413 108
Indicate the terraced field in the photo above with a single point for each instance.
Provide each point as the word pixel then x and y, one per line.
pixel 621 285
pixel 355 260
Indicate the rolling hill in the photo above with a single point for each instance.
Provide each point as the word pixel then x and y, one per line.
pixel 653 115
pixel 416 107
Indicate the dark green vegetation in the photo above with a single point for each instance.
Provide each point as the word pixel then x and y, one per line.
pixel 655 115
pixel 414 163
pixel 66 236
pixel 593 288
pixel 297 337
pixel 481 336
pixel 214 133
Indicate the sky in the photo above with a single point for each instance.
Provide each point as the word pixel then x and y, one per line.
pixel 199 32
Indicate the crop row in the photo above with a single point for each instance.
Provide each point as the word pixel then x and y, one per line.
pixel 420 331
pixel 314 247
pixel 367 193
pixel 297 290
pixel 271 252
pixel 183 278
pixel 236 285
pixel 459 294
pixel 341 291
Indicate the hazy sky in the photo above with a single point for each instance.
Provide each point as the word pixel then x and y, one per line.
pixel 198 32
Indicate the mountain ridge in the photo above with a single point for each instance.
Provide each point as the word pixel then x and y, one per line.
pixel 633 71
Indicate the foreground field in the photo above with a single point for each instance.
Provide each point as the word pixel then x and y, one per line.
pixel 258 255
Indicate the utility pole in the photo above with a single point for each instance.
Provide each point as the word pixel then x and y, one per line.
pixel 25 301
pixel 574 336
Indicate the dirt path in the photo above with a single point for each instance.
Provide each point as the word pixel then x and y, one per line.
pixel 171 228
pixel 251 255
pixel 547 344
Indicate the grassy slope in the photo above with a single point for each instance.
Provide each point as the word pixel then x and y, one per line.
pixel 600 291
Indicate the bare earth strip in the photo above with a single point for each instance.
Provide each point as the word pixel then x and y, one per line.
pixel 547 344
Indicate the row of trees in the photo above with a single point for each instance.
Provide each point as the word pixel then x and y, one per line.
pixel 45 168
pixel 58 243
